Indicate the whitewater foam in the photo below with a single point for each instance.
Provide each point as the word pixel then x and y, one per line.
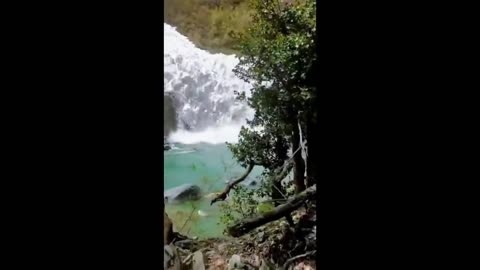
pixel 202 85
pixel 212 135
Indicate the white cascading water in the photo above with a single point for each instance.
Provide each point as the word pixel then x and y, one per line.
pixel 202 85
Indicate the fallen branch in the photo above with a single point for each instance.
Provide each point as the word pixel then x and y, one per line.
pixel 289 261
pixel 279 175
pixel 222 196
pixel 280 211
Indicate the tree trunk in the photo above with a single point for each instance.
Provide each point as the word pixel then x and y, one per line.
pixel 313 151
pixel 244 226
pixel 299 165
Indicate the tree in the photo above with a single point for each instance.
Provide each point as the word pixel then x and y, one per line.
pixel 278 57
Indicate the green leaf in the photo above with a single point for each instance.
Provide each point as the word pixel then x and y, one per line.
pixel 264 207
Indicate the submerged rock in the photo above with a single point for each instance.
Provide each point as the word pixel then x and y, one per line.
pixel 166 145
pixel 185 192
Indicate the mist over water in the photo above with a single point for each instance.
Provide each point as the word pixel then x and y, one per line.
pixel 213 135
pixel 201 86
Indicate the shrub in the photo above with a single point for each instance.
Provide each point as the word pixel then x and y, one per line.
pixel 210 24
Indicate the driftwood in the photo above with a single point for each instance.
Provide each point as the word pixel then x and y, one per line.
pixel 280 211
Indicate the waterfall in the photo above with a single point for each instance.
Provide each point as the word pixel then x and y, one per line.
pixel 200 88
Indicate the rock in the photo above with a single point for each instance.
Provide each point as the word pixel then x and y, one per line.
pixel 212 195
pixel 167 228
pixel 261 236
pixel 185 244
pixel 198 261
pixel 256 260
pixel 235 263
pixel 166 145
pixel 222 246
pixel 169 114
pixel 185 192
pixel 217 263
pixel 171 260
pixel 265 266
pixel 303 266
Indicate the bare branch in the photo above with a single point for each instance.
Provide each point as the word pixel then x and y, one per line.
pixel 222 196
pixel 282 172
pixel 287 263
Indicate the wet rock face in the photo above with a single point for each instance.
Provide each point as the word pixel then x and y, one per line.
pixel 169 115
pixel 166 145
pixel 185 192
pixel 171 258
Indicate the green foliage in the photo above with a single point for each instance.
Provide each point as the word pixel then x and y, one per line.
pixel 279 58
pixel 264 207
pixel 210 24
pixel 245 202
pixel 267 148
pixel 185 218
pixel 242 204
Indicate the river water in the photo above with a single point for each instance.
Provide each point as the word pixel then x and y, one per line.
pixel 209 166
pixel 203 114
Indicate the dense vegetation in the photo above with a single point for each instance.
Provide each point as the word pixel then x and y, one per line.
pixel 276 42
pixel 209 23
pixel 279 58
